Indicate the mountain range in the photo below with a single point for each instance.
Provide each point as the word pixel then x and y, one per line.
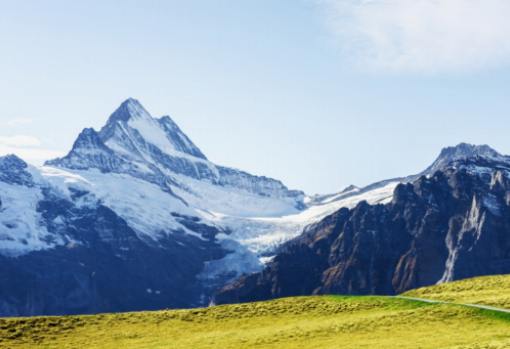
pixel 451 222
pixel 135 217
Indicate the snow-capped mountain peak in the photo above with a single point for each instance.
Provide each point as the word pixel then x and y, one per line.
pixel 130 108
pixel 156 150
pixel 132 129
pixel 134 142
pixel 464 151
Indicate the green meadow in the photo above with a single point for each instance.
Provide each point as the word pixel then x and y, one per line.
pixel 298 322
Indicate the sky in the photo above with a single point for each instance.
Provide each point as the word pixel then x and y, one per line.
pixel 320 94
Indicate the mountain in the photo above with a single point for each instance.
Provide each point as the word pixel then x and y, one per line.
pixel 464 151
pixel 450 222
pixel 65 250
pixel 134 217
pixel 156 150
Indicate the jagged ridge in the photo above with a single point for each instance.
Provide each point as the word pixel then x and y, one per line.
pixel 134 142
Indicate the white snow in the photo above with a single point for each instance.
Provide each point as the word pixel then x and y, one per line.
pixel 152 132
pixel 59 180
pixel 239 261
pixel 145 206
pixel 339 195
pixel 20 228
pixel 124 138
pixel 262 234
pixel 229 200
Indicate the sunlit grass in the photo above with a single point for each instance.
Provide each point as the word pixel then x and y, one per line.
pixel 487 290
pixel 300 322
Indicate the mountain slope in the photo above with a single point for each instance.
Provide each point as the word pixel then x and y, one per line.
pixel 66 250
pixel 134 144
pixel 486 290
pixel 442 227
pixel 312 322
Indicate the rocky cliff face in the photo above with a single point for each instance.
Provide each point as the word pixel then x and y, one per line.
pixel 447 226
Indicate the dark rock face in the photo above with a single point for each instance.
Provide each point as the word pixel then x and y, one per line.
pixel 104 267
pixel 89 149
pixel 452 225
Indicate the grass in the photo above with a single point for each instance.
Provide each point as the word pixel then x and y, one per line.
pixel 488 290
pixel 299 322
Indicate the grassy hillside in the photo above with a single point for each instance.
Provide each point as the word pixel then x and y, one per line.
pixel 487 290
pixel 301 322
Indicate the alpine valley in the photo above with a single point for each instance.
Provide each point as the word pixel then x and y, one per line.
pixel 135 217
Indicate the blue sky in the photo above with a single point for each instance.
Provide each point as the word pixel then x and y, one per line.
pixel 319 94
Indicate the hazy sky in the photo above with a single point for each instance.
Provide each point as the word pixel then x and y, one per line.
pixel 319 94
